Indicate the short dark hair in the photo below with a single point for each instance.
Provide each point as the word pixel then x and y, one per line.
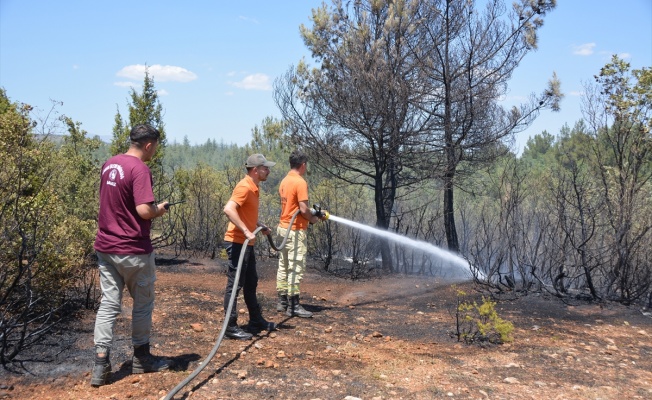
pixel 297 157
pixel 143 133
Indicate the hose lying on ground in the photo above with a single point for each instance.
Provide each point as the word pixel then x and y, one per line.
pixel 210 356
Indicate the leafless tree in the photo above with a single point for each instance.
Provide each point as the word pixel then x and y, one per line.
pixel 618 107
pixel 356 112
pixel 469 57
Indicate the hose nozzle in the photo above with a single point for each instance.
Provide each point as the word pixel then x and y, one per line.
pixel 319 213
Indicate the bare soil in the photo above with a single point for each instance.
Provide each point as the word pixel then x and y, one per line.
pixel 388 338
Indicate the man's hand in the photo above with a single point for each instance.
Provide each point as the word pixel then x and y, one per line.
pixel 249 234
pixel 266 231
pixel 151 210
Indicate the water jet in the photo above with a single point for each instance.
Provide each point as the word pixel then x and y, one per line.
pixel 444 255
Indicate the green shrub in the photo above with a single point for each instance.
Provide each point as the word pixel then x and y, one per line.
pixel 47 227
pixel 480 322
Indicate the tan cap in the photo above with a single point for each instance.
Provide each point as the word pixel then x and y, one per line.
pixel 258 160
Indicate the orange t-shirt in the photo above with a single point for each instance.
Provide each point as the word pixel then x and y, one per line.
pixel 246 195
pixel 293 189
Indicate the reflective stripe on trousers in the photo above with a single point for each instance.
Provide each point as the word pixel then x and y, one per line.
pixel 292 261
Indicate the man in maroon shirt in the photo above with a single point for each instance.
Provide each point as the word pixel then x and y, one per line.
pixel 125 253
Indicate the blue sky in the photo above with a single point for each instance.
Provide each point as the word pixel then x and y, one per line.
pixel 214 62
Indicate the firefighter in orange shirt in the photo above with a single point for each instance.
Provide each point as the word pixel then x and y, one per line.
pixel 242 211
pixel 292 258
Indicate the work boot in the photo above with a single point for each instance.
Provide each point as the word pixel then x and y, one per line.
pixel 282 305
pixel 259 323
pixel 295 309
pixel 143 361
pixel 235 332
pixel 101 370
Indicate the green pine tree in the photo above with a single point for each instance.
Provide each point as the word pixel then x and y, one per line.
pixel 144 108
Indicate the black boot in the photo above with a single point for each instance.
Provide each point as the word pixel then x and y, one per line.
pixel 257 323
pixel 101 369
pixel 295 309
pixel 143 361
pixel 282 305
pixel 235 332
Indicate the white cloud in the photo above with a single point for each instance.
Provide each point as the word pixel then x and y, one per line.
pixel 248 19
pixel 160 73
pixel 624 56
pixel 124 84
pixel 585 49
pixel 254 82
pixel 162 92
pixel 575 93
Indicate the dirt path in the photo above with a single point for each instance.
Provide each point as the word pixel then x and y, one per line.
pixel 382 339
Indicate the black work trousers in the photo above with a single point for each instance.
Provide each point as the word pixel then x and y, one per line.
pixel 248 281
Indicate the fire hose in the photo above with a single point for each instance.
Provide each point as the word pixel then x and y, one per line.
pixel 317 211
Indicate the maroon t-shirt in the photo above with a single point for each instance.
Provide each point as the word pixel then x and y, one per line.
pixel 126 182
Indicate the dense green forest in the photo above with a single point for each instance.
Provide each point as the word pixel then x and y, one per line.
pixel 569 216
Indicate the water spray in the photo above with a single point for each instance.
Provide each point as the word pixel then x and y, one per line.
pixel 323 214
pixel 426 247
